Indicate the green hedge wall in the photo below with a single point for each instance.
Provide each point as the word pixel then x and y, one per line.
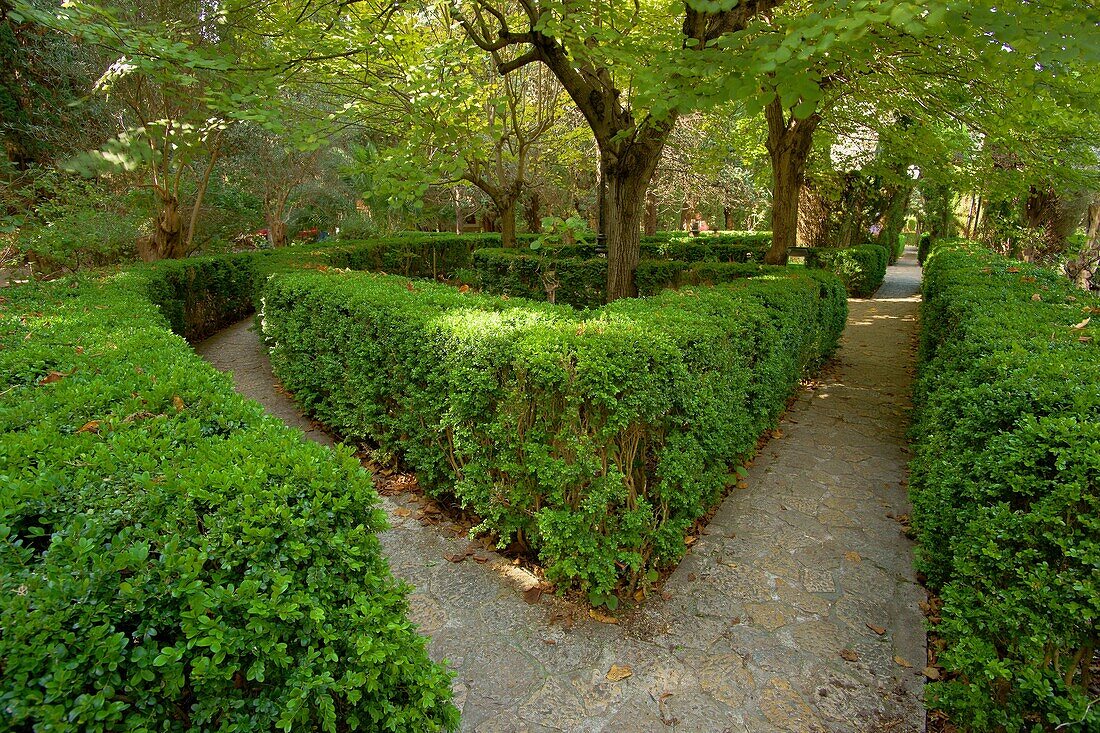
pixel 580 282
pixel 1006 489
pixel 923 247
pixel 171 558
pixel 862 269
pixel 595 439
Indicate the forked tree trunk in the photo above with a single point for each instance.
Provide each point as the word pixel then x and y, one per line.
pixel 650 214
pixel 789 143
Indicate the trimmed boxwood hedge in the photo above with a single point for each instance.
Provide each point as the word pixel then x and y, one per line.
pixel 923 247
pixel 171 558
pixel 862 269
pixel 1006 489
pixel 594 438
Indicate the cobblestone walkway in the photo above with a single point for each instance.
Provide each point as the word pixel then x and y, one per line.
pixel 797 611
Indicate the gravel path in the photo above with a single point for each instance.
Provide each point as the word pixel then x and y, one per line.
pixel 797 611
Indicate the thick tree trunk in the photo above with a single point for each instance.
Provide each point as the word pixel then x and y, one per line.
pixel 650 214
pixel 276 231
pixel 167 239
pixel 789 143
pixel 813 217
pixel 626 180
pixel 506 211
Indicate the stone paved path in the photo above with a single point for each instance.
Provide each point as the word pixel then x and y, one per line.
pixel 765 627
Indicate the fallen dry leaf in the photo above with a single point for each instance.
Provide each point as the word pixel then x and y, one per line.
pixel 931 673
pixel 603 618
pixel 849 655
pixel 619 672
pixel 852 556
pixel 409 286
pixel 1084 339
pixel 902 662
pixel 51 378
pixel 177 402
pixel 80 349
pixel 402 512
pixel 690 540
pixel 532 594
pixel 464 288
pixel 92 426
pixel 1036 297
pixel 880 630
pixel 1082 324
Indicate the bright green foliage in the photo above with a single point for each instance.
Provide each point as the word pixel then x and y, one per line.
pixel 1006 489
pixel 595 439
pixel 862 268
pixel 172 559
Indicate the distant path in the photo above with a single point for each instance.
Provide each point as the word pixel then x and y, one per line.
pixel 770 624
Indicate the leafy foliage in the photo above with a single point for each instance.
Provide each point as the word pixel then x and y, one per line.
pixel 171 558
pixel 862 268
pixel 595 439
pixel 1006 489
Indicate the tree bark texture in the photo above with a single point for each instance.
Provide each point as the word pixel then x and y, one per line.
pixel 650 214
pixel 167 240
pixel 813 218
pixel 789 143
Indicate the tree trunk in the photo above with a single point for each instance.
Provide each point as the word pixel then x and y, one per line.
pixel 506 211
pixel 167 239
pixel 813 218
pixel 650 214
pixel 626 180
pixel 458 211
pixel 789 143
pixel 727 216
pixel 532 212
pixel 687 212
pixel 276 231
pixel 204 183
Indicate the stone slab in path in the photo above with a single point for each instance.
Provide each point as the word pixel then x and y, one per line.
pixel 770 624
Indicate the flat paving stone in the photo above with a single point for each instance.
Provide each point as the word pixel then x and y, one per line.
pixel 748 635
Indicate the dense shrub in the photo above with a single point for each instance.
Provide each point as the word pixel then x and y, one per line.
pixel 923 247
pixel 862 269
pixel 580 282
pixel 595 439
pixel 1006 489
pixel 653 276
pixel 171 558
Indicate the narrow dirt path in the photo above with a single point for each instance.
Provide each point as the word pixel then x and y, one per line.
pixel 797 611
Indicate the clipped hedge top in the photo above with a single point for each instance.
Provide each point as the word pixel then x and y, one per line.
pixel 171 558
pixel 1006 487
pixel 595 437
